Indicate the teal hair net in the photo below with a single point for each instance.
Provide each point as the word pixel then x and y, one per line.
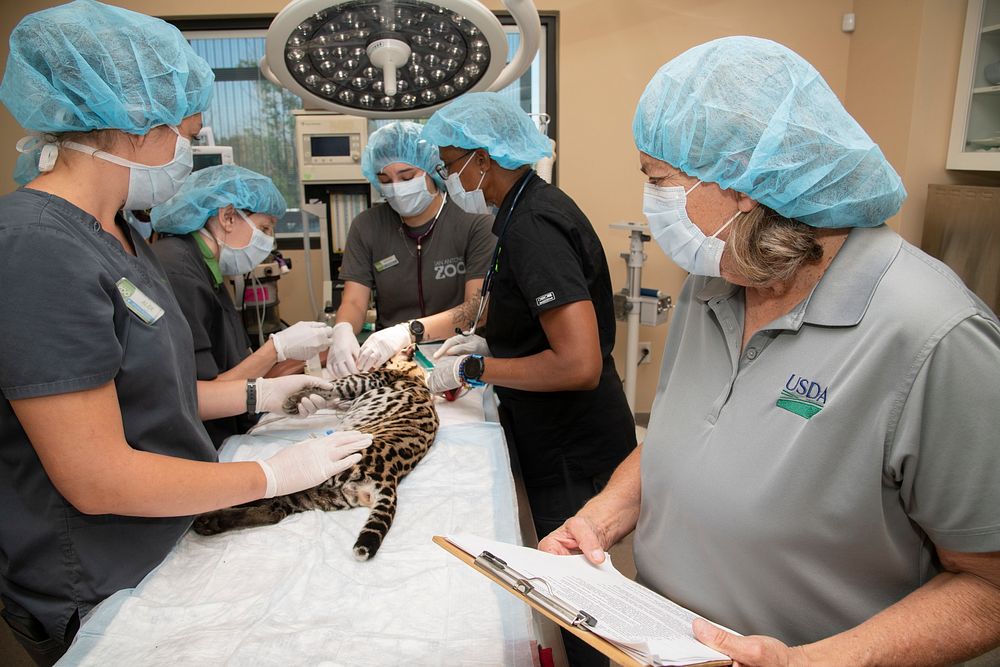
pixel 493 122
pixel 399 142
pixel 207 190
pixel 89 66
pixel 753 116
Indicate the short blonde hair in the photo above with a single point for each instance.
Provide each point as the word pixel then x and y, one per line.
pixel 767 247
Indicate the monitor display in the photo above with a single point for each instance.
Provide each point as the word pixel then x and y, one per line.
pixel 202 160
pixel 330 146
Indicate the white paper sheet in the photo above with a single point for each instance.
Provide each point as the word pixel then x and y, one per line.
pixel 292 593
pixel 627 613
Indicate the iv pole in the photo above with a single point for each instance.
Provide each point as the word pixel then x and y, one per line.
pixel 634 258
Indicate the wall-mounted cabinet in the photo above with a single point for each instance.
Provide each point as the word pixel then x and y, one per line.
pixel 975 123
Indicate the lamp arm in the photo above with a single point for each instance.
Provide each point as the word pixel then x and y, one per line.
pixel 526 17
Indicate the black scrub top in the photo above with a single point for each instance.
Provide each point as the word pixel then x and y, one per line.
pixel 220 339
pixel 550 256
pixel 66 327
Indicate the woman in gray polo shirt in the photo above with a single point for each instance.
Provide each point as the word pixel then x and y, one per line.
pixel 821 463
pixel 103 457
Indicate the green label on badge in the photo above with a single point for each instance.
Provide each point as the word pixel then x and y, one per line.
pixel 386 263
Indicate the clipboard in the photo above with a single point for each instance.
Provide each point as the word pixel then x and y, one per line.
pixel 571 620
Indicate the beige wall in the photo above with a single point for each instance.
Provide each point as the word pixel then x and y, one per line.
pixel 896 74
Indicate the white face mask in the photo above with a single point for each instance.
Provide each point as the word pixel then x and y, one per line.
pixel 666 211
pixel 470 202
pixel 237 261
pixel 408 198
pixel 149 186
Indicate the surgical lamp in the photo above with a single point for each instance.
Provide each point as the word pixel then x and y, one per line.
pixel 394 58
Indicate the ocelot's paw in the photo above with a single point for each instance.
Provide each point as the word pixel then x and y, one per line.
pixel 209 524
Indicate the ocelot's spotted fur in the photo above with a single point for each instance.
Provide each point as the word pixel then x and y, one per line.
pixel 395 407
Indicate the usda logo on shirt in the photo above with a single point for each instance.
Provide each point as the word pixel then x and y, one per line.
pixel 802 396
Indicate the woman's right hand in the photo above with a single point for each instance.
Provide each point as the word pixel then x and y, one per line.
pixel 578 535
pixel 342 359
pixel 311 462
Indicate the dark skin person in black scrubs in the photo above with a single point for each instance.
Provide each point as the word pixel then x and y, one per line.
pixel 549 325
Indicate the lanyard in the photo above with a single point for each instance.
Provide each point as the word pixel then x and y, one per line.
pixel 495 261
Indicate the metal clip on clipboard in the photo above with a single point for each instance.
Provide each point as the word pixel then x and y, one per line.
pixel 523 585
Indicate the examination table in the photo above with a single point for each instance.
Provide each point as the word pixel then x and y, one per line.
pixel 292 593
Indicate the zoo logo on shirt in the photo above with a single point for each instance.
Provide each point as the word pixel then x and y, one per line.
pixel 449 268
pixel 802 396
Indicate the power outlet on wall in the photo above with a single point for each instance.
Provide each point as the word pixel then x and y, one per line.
pixel 645 352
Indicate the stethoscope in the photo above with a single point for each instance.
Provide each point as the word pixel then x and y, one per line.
pixel 495 261
pixel 419 239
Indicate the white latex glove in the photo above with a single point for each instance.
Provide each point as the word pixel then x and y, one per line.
pixel 272 392
pixel 311 462
pixel 312 404
pixel 444 375
pixel 342 359
pixel 382 345
pixel 462 344
pixel 302 340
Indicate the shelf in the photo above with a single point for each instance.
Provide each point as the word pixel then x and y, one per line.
pixel 991 29
pixel 986 89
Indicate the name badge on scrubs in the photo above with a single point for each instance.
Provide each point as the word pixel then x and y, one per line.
pixel 386 263
pixel 139 303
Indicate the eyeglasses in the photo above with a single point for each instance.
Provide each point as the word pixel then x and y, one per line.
pixel 442 169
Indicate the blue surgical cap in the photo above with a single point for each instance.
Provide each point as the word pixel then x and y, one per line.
pixel 89 66
pixel 753 116
pixel 207 190
pixel 399 142
pixel 493 122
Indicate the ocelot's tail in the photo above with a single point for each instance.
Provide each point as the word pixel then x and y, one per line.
pixel 378 524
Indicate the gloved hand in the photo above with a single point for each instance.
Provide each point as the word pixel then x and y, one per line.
pixel 272 392
pixel 302 340
pixel 444 375
pixel 462 344
pixel 342 359
pixel 311 462
pixel 381 345
pixel 313 403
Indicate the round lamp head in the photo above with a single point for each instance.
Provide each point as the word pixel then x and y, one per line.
pixel 384 58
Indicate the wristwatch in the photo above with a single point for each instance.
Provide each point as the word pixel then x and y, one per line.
pixel 252 397
pixel 416 330
pixel 471 369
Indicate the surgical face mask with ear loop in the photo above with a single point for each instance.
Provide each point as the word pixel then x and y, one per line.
pixel 666 211
pixel 237 261
pixel 408 198
pixel 148 186
pixel 470 202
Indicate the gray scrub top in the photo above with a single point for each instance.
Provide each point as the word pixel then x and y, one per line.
pixel 65 327
pixel 379 256
pixel 799 487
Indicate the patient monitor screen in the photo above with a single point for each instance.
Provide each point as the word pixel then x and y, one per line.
pixel 330 146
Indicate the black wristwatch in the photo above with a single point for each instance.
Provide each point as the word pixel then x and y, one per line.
pixel 416 330
pixel 252 397
pixel 471 370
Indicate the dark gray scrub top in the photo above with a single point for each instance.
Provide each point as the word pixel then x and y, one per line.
pixel 380 256
pixel 220 339
pixel 799 486
pixel 66 328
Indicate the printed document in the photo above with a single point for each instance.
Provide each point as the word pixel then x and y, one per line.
pixel 642 623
